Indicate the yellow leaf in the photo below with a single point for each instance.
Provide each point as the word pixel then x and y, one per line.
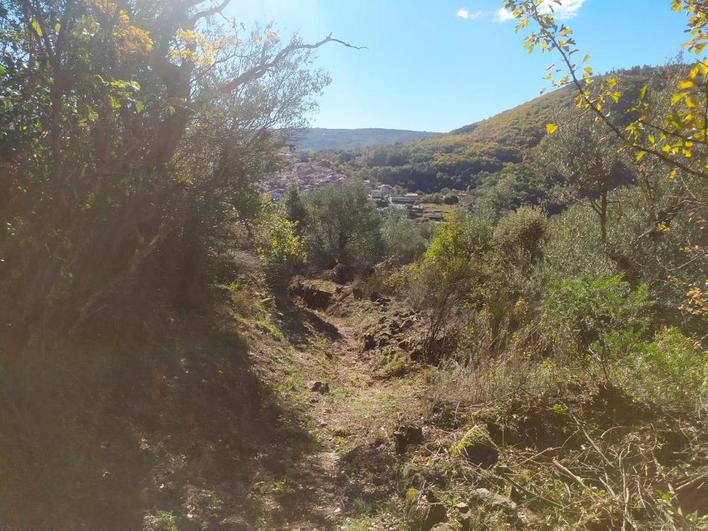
pixel 551 128
pixel 37 28
pixel 643 92
pixel 686 84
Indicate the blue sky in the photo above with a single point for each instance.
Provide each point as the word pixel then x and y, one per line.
pixel 439 64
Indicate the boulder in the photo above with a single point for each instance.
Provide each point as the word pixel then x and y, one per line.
pixel 494 499
pixel 477 447
pixel 425 512
pixel 341 274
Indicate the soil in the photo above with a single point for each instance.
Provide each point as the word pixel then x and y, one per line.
pixel 218 433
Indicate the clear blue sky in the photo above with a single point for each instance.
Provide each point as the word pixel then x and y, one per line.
pixel 428 68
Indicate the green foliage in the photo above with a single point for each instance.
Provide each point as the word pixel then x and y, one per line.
pixel 452 272
pixel 344 227
pixel 130 147
pixel 519 236
pixel 296 208
pixel 404 241
pixel 279 248
pixel 671 370
pixel 602 315
pixel 574 246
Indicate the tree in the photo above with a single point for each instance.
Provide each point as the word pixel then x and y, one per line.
pixel 345 227
pixel 404 240
pixel 588 159
pixel 295 208
pixel 131 137
pixel 453 271
pixel 680 137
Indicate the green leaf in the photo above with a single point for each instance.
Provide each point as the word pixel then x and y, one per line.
pixel 57 27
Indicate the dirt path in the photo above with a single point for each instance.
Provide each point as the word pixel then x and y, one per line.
pixel 349 478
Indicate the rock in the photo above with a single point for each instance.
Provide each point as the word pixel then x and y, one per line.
pixel 442 527
pixel 369 341
pixel 358 293
pixel 406 435
pixel 407 323
pixel 495 500
pixel 318 294
pixel 462 507
pixel 477 447
pixel 425 512
pixel 320 387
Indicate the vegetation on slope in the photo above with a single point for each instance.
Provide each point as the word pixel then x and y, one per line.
pixel 485 152
pixel 181 353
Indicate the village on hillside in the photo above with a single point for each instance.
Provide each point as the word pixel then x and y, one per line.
pixel 309 174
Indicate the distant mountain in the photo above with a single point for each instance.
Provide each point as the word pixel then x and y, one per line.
pixel 320 139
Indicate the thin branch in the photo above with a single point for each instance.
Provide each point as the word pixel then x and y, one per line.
pixel 260 70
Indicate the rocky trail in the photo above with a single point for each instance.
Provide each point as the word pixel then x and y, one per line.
pixel 354 412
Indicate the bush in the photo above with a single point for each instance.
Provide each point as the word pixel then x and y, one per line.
pixel 404 240
pixel 519 235
pixel 672 369
pixel 279 248
pixel 453 272
pixel 574 247
pixel 602 315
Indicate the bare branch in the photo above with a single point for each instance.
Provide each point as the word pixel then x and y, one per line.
pixel 260 70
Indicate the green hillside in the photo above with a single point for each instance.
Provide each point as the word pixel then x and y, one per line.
pixel 463 158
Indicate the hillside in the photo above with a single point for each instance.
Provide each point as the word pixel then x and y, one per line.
pixel 320 139
pixel 206 329
pixel 464 157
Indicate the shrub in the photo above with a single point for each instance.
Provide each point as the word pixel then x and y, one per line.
pixel 574 247
pixel 518 236
pixel 454 271
pixel 404 240
pixel 672 369
pixel 602 315
pixel 344 227
pixel 279 248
